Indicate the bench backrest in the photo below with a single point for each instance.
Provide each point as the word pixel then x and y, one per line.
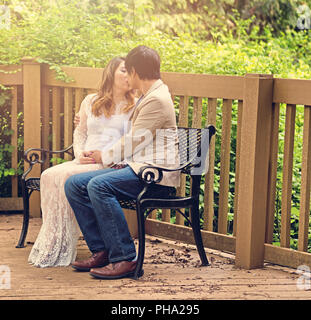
pixel 193 149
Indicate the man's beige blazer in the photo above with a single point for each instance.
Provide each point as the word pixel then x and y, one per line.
pixel 152 138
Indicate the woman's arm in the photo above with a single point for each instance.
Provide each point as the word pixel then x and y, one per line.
pixel 80 135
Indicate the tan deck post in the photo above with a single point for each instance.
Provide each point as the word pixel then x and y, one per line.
pixel 254 164
pixel 32 131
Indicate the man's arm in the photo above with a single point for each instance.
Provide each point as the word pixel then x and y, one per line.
pixel 150 118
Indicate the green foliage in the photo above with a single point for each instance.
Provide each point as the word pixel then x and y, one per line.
pixel 57 160
pixel 6 148
pixel 277 14
pixel 89 33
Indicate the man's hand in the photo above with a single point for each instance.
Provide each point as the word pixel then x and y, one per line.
pixel 96 155
pixel 86 158
pixel 76 120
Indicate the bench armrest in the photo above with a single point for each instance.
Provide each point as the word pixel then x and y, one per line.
pixel 148 176
pixel 32 156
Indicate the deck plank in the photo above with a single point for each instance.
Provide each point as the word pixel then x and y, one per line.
pixel 221 280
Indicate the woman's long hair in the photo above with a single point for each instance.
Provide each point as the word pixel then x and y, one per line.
pixel 103 104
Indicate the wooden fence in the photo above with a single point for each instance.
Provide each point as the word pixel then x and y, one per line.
pixel 249 106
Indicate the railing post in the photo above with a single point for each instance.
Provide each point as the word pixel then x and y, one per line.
pixel 32 130
pixel 254 165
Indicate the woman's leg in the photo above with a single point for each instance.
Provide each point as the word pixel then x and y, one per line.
pixel 56 243
pixel 78 198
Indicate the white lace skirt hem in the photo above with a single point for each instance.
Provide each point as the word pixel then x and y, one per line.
pixel 56 243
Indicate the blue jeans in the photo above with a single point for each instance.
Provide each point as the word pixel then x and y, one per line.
pixel 93 197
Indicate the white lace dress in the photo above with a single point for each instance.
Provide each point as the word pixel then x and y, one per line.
pixel 57 240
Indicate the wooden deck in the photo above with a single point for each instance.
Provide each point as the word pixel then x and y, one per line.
pixel 172 271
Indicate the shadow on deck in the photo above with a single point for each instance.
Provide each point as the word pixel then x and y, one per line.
pixel 172 271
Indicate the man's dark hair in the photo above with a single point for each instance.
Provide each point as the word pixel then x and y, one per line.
pixel 145 61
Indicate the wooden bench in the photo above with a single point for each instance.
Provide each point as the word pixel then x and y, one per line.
pixel 193 155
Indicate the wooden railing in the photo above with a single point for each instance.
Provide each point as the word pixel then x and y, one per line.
pixel 247 105
pixel 290 94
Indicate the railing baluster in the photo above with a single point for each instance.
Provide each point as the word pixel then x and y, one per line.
pixel 197 113
pixel 14 140
pixel 224 167
pixel 68 121
pixel 209 177
pixel 56 127
pixel 237 164
pixel 182 122
pixel 272 175
pixel 45 130
pixel 305 183
pixel 196 122
pixel 287 174
pixel 79 95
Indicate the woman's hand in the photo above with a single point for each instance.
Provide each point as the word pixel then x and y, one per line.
pixel 76 120
pixel 86 158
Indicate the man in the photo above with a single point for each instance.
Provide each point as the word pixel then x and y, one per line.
pixel 94 196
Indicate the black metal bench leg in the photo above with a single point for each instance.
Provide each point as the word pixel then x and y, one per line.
pixel 195 222
pixel 21 242
pixel 141 243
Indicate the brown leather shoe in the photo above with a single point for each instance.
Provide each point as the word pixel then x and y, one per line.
pixel 98 259
pixel 122 269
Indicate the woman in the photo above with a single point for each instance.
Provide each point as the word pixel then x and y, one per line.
pixel 104 118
